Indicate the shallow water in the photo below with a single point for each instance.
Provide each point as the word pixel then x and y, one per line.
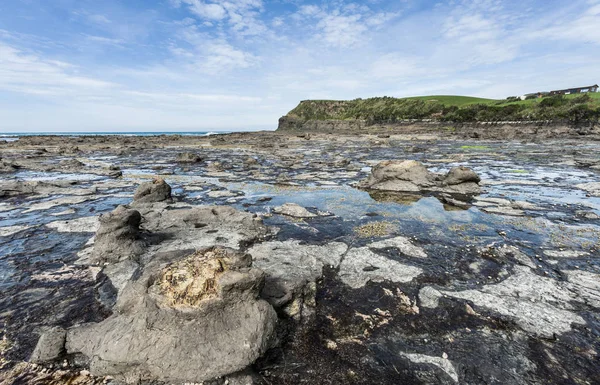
pixel 33 261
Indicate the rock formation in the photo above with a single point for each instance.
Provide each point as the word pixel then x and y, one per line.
pixel 118 236
pixel 413 176
pixel 186 318
pixel 156 191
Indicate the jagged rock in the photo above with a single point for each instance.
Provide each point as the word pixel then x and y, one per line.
pixel 50 346
pixel 118 236
pixel 293 210
pixel 183 319
pixel 156 191
pixel 189 157
pixel 413 176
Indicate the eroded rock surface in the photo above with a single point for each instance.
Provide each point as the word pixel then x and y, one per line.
pixel 186 318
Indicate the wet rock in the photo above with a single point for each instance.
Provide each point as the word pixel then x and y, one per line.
pixel 184 319
pixel 77 225
pixel 293 210
pixel 413 176
pixel 442 363
pixel 50 346
pixel 189 157
pixel 539 305
pixel 10 230
pixel 402 244
pixel 593 188
pixel 587 214
pixel 361 265
pixel 221 194
pixel 565 253
pixel 156 191
pixel 292 270
pixel 118 236
pixel 429 297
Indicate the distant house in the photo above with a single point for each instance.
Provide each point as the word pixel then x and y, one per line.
pixel 578 90
pixel 534 95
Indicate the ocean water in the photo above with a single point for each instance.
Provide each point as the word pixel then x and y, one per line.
pixel 13 136
pixel 133 133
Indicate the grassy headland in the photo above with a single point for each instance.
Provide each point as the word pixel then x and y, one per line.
pixel 581 108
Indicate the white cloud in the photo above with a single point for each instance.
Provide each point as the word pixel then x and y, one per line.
pixel 30 74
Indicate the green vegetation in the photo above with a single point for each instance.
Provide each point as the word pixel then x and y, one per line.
pixel 581 108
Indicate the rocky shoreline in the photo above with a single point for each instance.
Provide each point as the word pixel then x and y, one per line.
pixel 285 258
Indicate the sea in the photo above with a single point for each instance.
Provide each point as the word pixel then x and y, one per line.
pixel 12 136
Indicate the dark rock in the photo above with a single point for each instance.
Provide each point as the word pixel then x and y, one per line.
pixel 118 236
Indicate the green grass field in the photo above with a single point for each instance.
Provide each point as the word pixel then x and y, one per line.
pixel 453 108
pixel 459 101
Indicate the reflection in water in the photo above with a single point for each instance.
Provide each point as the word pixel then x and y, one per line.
pixel 395 197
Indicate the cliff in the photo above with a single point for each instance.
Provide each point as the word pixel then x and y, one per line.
pixel 579 113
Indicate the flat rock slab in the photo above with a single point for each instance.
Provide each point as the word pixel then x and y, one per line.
pixel 79 225
pixel 539 305
pixel 362 265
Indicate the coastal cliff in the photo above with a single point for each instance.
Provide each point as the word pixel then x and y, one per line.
pixel 455 116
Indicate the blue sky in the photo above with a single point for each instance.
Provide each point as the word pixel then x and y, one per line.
pixel 126 65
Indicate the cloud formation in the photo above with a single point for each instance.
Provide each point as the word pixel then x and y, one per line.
pixel 240 64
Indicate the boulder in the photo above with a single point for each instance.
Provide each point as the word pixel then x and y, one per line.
pixel 156 191
pixel 188 157
pixel 393 175
pixel 458 175
pixel 50 346
pixel 189 318
pixel 413 176
pixel 118 236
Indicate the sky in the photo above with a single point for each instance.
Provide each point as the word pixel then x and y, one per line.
pixel 204 65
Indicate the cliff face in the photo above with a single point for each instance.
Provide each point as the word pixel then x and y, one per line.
pixel 482 130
